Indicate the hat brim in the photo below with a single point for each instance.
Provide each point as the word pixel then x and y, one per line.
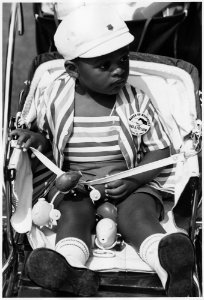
pixel 109 46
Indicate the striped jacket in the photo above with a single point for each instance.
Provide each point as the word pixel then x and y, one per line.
pixel 54 107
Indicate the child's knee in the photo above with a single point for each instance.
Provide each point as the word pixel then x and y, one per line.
pixel 74 209
pixel 132 215
pixel 137 209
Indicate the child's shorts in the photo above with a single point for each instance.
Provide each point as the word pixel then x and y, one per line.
pixel 94 170
pixel 157 196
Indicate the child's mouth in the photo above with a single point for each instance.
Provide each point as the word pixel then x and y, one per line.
pixel 120 82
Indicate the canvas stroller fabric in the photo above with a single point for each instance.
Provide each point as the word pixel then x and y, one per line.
pixel 175 85
pixel 127 259
pixel 22 190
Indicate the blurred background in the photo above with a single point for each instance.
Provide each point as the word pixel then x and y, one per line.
pixel 25 49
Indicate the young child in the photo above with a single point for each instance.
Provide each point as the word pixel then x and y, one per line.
pixel 92 119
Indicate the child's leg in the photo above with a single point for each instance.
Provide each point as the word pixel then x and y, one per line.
pixel 138 222
pixel 77 219
pixel 138 218
pixel 65 270
pixel 73 238
pixel 170 255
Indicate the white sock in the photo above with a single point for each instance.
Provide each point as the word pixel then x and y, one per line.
pixel 74 250
pixel 149 253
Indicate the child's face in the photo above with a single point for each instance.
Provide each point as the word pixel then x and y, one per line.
pixel 106 74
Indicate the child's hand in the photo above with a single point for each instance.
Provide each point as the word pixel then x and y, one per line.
pixel 27 138
pixel 120 189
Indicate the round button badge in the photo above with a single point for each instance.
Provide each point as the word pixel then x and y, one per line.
pixel 139 124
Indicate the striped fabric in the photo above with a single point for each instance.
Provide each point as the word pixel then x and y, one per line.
pixel 94 139
pixel 155 139
pixel 55 116
pixel 165 182
pixel 42 179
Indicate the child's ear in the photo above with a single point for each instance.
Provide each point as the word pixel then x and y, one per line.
pixel 71 68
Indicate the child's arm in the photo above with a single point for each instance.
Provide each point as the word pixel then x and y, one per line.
pixel 27 138
pixel 120 189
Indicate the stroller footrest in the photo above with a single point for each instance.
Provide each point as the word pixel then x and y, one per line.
pixel 119 284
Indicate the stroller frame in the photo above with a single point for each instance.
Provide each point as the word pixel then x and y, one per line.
pixel 115 284
pixel 129 284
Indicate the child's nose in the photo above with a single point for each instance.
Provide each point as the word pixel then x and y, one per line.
pixel 117 71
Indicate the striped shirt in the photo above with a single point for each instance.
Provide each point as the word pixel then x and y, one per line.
pixel 54 108
pixel 119 138
pixel 94 139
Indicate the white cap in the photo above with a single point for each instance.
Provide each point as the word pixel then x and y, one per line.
pixel 91 31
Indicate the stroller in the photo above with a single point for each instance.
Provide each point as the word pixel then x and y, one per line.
pixel 124 274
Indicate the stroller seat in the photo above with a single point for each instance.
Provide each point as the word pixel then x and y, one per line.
pixel 125 274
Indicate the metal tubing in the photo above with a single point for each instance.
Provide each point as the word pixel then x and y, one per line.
pixel 8 75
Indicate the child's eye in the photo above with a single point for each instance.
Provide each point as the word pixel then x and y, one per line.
pixel 104 66
pixel 125 58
